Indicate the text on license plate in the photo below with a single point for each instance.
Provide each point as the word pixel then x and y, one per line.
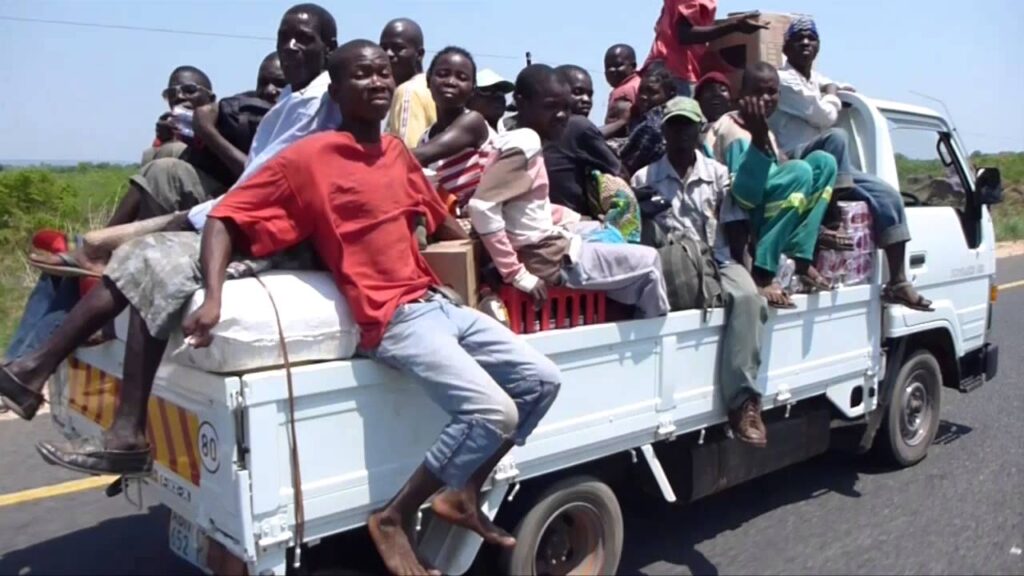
pixel 184 540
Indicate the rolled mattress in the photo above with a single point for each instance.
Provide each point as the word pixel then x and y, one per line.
pixel 315 318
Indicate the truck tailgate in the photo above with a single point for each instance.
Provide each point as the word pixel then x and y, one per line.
pixel 191 429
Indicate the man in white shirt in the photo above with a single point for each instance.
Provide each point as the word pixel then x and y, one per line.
pixel 805 121
pixel 701 207
pixel 156 274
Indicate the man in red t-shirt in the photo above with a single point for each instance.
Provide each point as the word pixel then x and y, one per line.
pixel 358 196
pixel 682 33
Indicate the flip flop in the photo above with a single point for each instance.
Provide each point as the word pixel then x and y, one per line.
pixel 811 285
pixel 69 267
pixel 890 296
pixel 18 397
pixel 88 455
pixel 835 240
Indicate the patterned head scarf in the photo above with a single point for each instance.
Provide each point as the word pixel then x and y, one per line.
pixel 801 25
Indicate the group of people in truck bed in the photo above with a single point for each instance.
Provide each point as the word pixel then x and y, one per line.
pixel 686 170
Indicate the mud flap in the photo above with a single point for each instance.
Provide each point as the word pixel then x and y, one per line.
pixel 893 363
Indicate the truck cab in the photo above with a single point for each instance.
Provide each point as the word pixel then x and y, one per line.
pixel 951 257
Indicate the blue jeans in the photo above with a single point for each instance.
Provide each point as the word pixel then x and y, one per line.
pixel 47 306
pixel 494 386
pixel 889 217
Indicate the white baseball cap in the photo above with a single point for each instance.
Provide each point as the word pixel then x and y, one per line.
pixel 488 78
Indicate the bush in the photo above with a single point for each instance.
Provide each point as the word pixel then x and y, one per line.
pixel 29 200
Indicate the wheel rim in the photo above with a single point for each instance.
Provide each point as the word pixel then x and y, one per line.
pixel 572 542
pixel 916 409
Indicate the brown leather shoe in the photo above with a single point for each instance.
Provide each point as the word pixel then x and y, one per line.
pixel 747 425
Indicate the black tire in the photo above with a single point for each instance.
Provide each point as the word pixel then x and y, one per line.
pixel 912 415
pixel 575 527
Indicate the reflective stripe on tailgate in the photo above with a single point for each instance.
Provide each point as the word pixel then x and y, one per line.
pixel 172 431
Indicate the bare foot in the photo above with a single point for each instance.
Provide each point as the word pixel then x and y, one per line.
pixel 776 296
pixel 394 546
pixel 460 507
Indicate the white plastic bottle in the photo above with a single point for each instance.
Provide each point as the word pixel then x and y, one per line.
pixel 491 305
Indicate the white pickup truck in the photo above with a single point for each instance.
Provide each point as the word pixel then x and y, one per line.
pixel 637 397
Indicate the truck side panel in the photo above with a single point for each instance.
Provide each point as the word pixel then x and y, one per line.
pixel 362 427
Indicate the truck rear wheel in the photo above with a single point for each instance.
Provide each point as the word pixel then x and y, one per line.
pixel 575 527
pixel 912 416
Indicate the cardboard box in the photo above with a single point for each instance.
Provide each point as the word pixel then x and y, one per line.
pixel 733 53
pixel 455 264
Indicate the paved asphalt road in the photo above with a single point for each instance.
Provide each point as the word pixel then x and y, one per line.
pixel 960 511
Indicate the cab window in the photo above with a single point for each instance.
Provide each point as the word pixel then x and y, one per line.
pixel 931 173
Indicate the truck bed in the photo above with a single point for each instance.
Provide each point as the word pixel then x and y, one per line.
pixel 222 441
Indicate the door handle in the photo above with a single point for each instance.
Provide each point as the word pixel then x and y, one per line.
pixel 918 260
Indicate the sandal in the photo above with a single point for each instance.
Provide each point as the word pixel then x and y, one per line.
pixel 90 456
pixel 18 397
pixel 813 284
pixel 894 294
pixel 63 264
pixel 835 240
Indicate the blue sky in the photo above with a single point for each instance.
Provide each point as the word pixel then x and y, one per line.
pixel 76 93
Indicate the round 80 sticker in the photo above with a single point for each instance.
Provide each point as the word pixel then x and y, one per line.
pixel 209 448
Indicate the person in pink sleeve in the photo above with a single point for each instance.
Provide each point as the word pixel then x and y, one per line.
pixel 534 244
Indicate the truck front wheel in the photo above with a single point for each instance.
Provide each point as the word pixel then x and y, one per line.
pixel 912 416
pixel 575 527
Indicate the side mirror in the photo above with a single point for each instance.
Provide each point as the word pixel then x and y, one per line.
pixel 989 186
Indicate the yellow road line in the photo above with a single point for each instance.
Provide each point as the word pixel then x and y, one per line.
pixel 1012 285
pixel 55 490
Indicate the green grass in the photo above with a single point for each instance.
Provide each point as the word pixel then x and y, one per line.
pixel 69 199
pixel 1008 216
pixel 1009 219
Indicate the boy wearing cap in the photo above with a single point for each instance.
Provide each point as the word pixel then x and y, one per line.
pixel 714 94
pixel 489 98
pixel 809 107
pixel 697 189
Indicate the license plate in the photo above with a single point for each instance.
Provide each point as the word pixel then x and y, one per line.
pixel 185 540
